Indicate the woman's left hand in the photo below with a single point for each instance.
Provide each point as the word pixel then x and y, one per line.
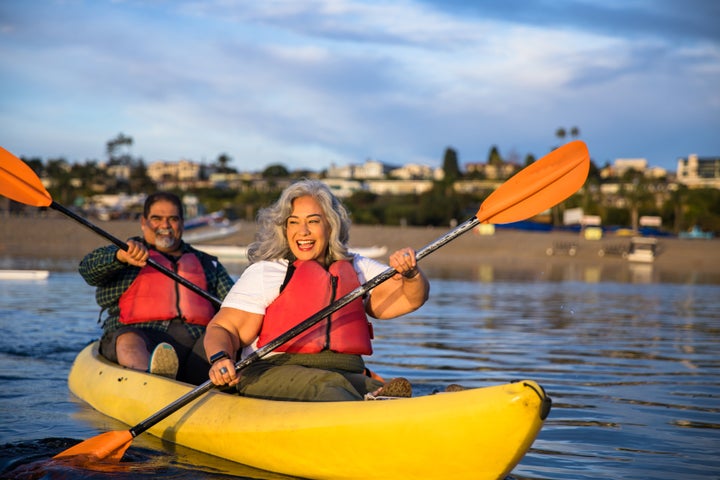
pixel 406 292
pixel 404 262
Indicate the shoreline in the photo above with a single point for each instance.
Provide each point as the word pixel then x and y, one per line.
pixel 50 238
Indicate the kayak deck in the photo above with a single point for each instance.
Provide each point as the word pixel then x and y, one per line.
pixel 477 433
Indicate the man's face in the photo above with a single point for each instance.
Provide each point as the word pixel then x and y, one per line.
pixel 163 226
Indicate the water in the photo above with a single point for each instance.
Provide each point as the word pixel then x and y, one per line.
pixel 632 366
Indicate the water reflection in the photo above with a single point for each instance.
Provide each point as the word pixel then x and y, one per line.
pixel 631 363
pixel 636 273
pixel 487 272
pixel 632 368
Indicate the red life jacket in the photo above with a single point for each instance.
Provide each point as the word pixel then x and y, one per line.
pixel 310 289
pixel 153 296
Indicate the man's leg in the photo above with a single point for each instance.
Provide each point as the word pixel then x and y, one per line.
pixel 132 351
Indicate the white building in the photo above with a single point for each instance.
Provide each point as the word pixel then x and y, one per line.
pixel 413 171
pixel 399 187
pixel 343 188
pixel 181 171
pixel 369 170
pixel 697 172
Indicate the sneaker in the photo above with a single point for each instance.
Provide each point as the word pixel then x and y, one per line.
pixel 398 387
pixel 164 361
pixel 454 387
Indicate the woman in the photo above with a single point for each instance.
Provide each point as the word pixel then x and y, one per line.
pixel 300 264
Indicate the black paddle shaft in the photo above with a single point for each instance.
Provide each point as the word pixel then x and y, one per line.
pixel 216 301
pixel 301 327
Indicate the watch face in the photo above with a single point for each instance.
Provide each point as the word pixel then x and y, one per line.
pixel 219 356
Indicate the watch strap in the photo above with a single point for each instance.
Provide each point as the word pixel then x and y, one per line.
pixel 218 356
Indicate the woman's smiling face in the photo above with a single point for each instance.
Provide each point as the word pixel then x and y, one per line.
pixel 307 229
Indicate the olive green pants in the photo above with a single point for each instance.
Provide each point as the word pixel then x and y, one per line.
pixel 322 377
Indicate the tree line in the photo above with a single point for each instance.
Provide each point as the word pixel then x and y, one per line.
pixel 679 207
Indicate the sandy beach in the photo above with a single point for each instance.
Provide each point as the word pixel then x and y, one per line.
pixel 52 237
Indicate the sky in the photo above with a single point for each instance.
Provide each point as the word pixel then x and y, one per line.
pixel 314 83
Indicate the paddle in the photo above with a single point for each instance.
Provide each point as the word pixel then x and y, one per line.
pixel 534 189
pixel 20 183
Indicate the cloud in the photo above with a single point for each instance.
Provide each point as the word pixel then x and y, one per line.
pixel 311 83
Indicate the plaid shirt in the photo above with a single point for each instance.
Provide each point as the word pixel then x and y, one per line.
pixel 101 268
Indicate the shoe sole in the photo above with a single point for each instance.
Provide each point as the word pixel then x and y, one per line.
pixel 164 361
pixel 397 387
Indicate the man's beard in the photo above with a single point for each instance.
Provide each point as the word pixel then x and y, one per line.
pixel 164 238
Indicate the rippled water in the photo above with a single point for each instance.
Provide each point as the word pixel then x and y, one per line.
pixel 633 369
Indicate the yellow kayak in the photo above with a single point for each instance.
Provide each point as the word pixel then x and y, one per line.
pixel 478 433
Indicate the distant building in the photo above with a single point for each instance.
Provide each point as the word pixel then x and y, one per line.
pixel 699 172
pixel 345 171
pixel 656 172
pixel 492 172
pixel 398 187
pixel 181 171
pixel 371 169
pixel 121 172
pixel 413 171
pixel 342 187
pixel 234 181
pixel 622 165
pixel 472 186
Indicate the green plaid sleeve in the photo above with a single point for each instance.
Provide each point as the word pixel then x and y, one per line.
pixel 100 268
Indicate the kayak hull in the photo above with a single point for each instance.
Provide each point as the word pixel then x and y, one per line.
pixel 477 433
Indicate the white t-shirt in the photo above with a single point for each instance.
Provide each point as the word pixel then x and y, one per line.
pixel 260 283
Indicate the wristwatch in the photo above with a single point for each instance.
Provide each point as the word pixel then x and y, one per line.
pixel 218 356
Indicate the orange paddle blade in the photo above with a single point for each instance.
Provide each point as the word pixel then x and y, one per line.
pixel 106 446
pixel 18 182
pixel 539 186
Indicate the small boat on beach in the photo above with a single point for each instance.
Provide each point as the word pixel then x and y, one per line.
pixel 24 274
pixel 696 233
pixel 210 219
pixel 642 249
pixel 479 433
pixel 237 253
pixel 210 233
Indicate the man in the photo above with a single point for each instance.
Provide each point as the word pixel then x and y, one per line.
pixel 149 311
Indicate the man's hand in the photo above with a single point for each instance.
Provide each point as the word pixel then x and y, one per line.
pixel 136 254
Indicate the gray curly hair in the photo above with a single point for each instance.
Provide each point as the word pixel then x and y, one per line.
pixel 271 241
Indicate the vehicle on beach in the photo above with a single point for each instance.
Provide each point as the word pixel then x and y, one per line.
pixel 642 249
pixel 696 233
pixel 562 248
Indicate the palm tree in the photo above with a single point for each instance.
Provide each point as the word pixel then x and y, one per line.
pixel 116 143
pixel 635 189
pixel 223 162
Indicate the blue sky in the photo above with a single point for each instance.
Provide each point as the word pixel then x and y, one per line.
pixel 312 83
